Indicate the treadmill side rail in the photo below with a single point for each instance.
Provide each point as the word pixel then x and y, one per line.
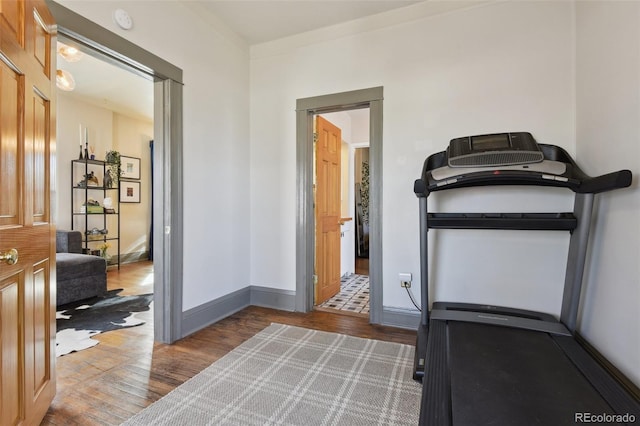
pixel 615 395
pixel 435 409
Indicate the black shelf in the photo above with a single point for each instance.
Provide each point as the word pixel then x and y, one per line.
pixel 94 162
pixel 79 196
pixel 94 214
pixel 97 188
pixel 100 239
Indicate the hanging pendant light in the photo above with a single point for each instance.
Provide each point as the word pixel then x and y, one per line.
pixel 69 53
pixel 65 81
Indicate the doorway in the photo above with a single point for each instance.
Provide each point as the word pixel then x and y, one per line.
pixel 306 109
pixel 167 200
pixel 113 108
pixel 351 254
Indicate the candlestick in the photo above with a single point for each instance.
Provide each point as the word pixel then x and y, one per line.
pixel 86 143
pixel 80 156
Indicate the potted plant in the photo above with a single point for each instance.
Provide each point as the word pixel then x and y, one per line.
pixel 103 250
pixel 115 171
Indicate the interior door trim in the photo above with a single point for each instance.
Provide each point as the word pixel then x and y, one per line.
pixel 306 108
pixel 168 203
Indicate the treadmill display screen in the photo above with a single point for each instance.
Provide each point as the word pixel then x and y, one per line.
pixel 490 142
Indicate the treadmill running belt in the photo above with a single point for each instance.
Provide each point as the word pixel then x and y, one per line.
pixel 507 376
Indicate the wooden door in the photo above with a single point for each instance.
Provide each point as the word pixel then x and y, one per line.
pixel 327 210
pixel 27 287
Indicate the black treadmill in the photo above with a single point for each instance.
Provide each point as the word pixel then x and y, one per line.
pixel 490 365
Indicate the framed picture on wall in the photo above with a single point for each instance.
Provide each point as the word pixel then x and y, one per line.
pixel 130 167
pixel 129 191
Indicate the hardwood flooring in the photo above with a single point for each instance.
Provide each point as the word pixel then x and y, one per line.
pixel 362 265
pixel 127 371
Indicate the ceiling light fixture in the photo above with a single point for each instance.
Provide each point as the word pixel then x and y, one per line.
pixel 65 81
pixel 69 53
pixel 122 19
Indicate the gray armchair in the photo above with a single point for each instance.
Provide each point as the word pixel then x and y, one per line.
pixel 79 276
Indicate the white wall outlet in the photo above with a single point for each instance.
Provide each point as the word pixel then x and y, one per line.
pixel 405 279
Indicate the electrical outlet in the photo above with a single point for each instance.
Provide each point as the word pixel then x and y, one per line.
pixel 405 280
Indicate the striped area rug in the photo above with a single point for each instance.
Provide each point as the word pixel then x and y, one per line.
pixel 288 375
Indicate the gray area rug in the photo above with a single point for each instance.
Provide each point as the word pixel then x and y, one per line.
pixel 288 375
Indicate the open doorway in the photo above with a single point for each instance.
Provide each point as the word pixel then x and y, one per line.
pixel 351 192
pixel 104 181
pixel 106 116
pixel 167 198
pixel 306 109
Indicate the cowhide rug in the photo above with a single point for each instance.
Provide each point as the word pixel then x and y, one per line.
pixel 77 322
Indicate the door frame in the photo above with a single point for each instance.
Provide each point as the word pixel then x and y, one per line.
pixel 306 108
pixel 167 176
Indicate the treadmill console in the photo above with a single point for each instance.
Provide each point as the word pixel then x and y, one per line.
pixel 525 163
pixel 546 169
pixel 494 150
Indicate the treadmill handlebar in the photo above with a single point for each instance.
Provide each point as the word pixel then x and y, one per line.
pixel 608 182
pixel 573 177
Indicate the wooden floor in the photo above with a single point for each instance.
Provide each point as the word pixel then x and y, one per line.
pixel 362 265
pixel 127 371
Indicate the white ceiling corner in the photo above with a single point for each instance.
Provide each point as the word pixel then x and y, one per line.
pixel 254 21
pixel 261 21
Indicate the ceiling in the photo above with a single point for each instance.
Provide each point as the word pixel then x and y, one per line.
pixel 256 21
pixel 260 21
pixel 108 86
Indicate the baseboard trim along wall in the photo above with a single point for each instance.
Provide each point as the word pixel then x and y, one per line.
pixel 211 312
pixel 400 317
pixel 273 298
pixel 136 256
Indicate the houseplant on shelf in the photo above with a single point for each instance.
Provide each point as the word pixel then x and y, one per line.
pixel 114 171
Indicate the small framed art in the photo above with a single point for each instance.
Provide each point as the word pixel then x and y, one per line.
pixel 130 167
pixel 129 191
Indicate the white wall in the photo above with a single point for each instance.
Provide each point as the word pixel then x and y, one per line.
pixel 608 135
pixel 215 68
pixel 500 67
pixel 131 138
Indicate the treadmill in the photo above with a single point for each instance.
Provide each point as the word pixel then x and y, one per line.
pixel 491 365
